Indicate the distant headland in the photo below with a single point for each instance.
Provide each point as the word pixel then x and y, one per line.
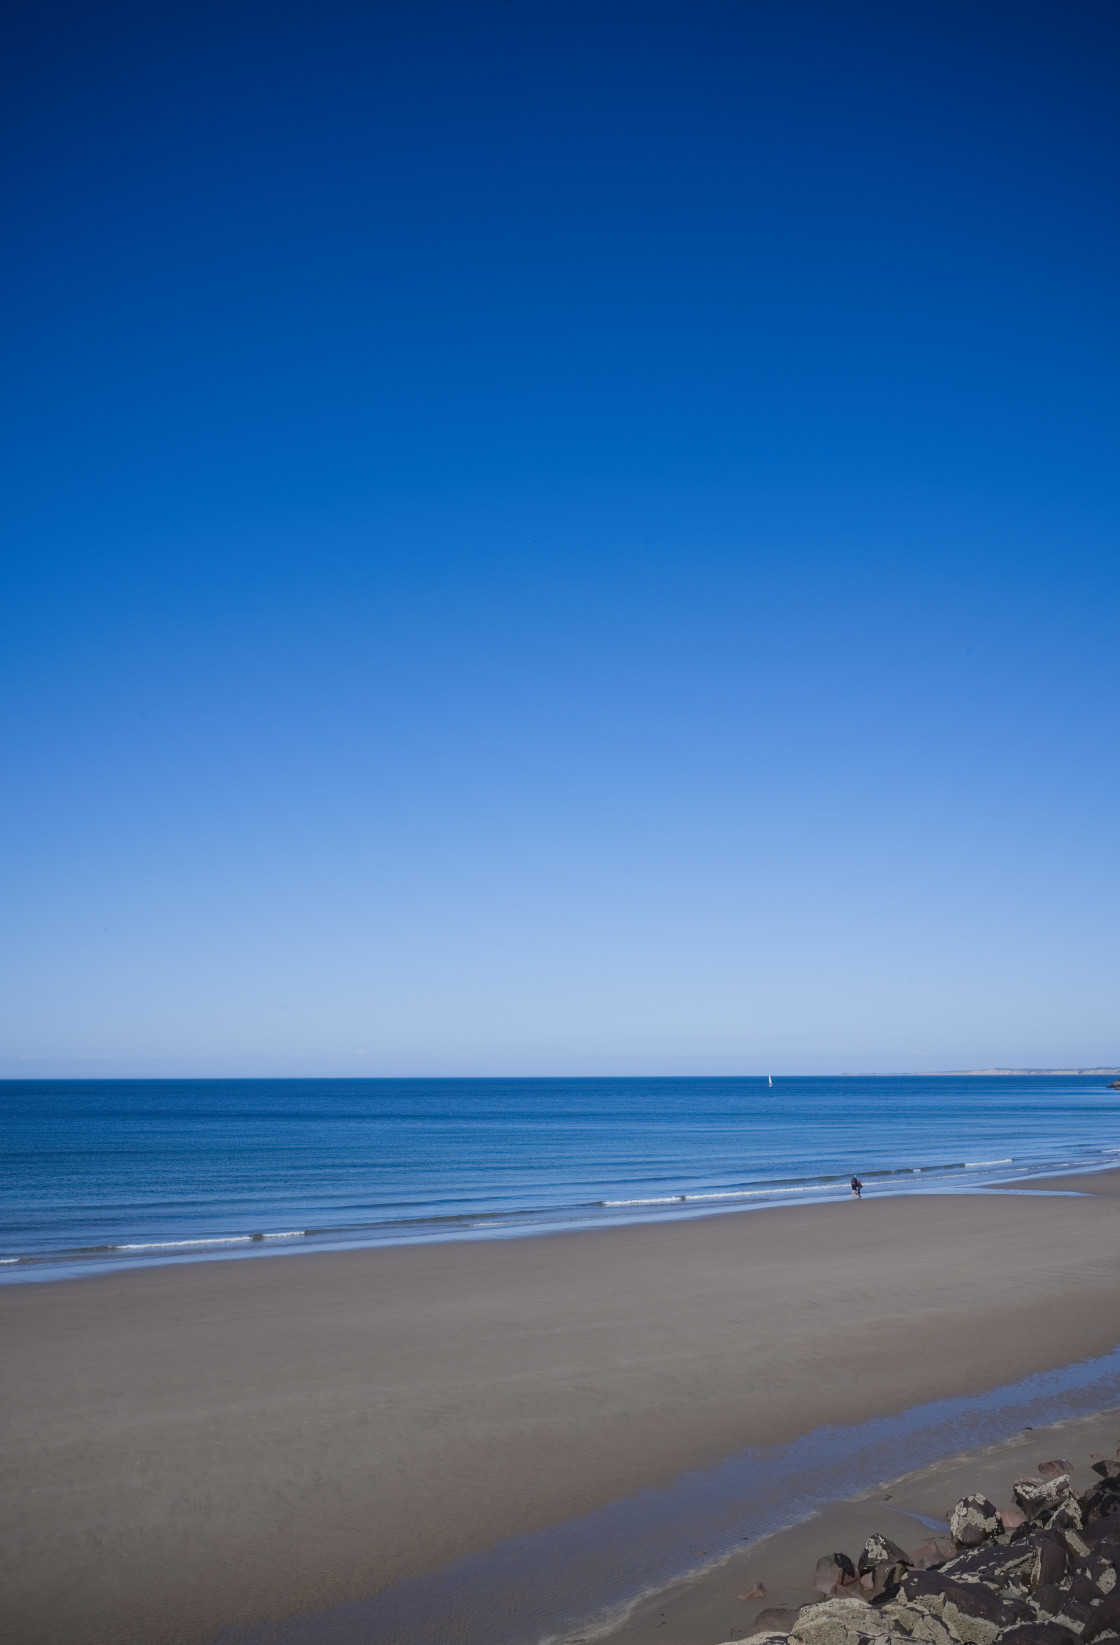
pixel 959 1071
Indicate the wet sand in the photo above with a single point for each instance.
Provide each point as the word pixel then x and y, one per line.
pixel 229 1442
pixel 713 1607
pixel 1091 1182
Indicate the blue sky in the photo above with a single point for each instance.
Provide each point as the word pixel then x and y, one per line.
pixel 560 538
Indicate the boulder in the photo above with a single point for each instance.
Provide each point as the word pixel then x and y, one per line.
pixel 916 1623
pixel 1087 1579
pixel 1039 1498
pixel 1066 1517
pixel 1049 1597
pixel 1050 1563
pixel 973 1520
pixel 833 1572
pixel 1039 1633
pixel 1073 1542
pixel 1051 1470
pixel 836 1622
pixel 1103 1528
pixel 970 1598
pixel 937 1620
pixel 878 1550
pixel 1101 1503
pixel 887 1577
pixel 1098 1570
pixel 1105 1618
pixel 1075 1613
pixel 996 1563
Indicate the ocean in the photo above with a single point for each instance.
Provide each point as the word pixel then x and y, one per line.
pixel 101 1174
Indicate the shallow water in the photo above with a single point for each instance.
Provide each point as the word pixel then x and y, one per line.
pixel 101 1174
pixel 579 1576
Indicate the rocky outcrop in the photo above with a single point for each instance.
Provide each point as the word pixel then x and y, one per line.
pixel 1046 1572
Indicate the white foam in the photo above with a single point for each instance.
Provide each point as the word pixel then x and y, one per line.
pixel 217 1239
pixel 736 1193
pixel 666 1199
pixel 975 1164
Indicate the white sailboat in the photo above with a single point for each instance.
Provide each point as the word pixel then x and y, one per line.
pixel 769 1080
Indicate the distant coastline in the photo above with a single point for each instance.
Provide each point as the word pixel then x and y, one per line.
pixel 968 1073
pixel 975 1072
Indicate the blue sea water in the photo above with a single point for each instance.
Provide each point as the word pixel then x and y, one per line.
pixel 103 1173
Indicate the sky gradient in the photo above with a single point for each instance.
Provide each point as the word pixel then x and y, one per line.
pixel 560 538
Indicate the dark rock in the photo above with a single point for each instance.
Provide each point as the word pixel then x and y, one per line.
pixel 973 1520
pixel 1089 1575
pixel 1107 1469
pixel 1051 1470
pixel 1038 1498
pixel 1105 1619
pixel 1049 1597
pixel 1039 1633
pixel 1051 1561
pixel 1100 1570
pixel 1076 1610
pixel 879 1549
pixel 1074 1543
pixel 1096 1505
pixel 993 1563
pixel 888 1579
pixel 1102 1528
pixel 1067 1516
pixel 1054 1579
pixel 973 1598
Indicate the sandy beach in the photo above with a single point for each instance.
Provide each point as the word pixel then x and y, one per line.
pixel 712 1607
pixel 233 1441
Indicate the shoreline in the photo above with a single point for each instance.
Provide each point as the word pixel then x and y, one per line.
pixel 225 1444
pixel 96 1262
pixel 910 1508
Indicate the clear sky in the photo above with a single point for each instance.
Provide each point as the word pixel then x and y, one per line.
pixel 559 537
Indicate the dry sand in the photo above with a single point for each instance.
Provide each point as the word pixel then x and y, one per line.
pixel 188 1447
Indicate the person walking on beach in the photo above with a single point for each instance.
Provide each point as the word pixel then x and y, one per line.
pixel 857 1188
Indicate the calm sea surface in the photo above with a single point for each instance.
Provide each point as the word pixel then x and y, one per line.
pixel 102 1173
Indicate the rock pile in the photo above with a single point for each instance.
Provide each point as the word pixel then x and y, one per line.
pixel 1041 1573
